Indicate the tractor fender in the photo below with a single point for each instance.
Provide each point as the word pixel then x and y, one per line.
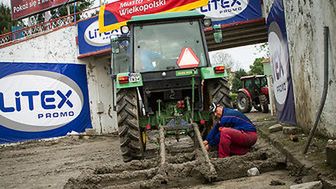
pixel 246 92
pixel 264 90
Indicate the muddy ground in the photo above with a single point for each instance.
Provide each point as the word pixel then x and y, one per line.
pixel 52 163
pixel 96 163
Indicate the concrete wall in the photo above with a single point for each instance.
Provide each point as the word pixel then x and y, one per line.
pixel 55 47
pixel 60 47
pixel 305 20
pixel 100 93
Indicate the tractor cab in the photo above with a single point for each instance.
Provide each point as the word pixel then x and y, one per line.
pixel 158 46
pixel 254 93
pixel 254 84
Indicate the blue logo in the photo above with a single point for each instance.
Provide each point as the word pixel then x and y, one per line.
pixel 221 4
pixel 42 100
pixel 52 101
pixel 46 102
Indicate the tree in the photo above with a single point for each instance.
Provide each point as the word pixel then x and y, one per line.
pixel 221 57
pixel 80 6
pixel 263 48
pixel 236 83
pixel 6 21
pixel 63 11
pixel 257 68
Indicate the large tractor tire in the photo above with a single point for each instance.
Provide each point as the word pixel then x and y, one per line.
pixel 243 103
pixel 128 125
pixel 264 103
pixel 219 92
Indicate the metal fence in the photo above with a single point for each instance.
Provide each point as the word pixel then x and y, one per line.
pixel 41 28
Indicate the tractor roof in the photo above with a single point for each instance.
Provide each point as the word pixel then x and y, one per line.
pixel 166 16
pixel 252 76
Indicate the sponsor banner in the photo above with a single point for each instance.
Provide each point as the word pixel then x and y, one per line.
pixel 116 14
pixel 89 38
pixel 24 8
pixel 42 100
pixel 229 11
pixel 278 45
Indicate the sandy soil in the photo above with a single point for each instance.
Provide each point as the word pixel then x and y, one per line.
pixel 270 180
pixel 50 164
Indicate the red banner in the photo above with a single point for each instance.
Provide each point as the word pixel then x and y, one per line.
pixel 24 8
pixel 114 15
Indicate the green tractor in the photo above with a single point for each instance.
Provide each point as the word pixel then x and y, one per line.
pixel 163 78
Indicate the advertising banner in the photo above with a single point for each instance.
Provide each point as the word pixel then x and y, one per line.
pixel 24 8
pixel 116 14
pixel 89 38
pixel 230 11
pixel 41 100
pixel 278 45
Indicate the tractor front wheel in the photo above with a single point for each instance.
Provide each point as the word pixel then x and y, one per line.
pixel 128 125
pixel 243 103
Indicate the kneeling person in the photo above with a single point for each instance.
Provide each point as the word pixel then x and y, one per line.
pixel 234 134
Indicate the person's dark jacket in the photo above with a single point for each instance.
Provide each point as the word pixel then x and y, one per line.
pixel 230 118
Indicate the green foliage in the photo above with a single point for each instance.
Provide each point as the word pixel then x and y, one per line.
pixel 222 58
pixel 263 48
pixel 236 83
pixel 63 11
pixel 80 6
pixel 257 67
pixel 6 21
pixel 233 96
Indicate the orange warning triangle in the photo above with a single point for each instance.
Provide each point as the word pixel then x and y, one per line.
pixel 188 59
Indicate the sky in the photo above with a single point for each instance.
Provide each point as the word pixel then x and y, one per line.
pixel 6 2
pixel 244 56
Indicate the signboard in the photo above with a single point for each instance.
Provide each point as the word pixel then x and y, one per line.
pixel 229 11
pixel 188 59
pixel 42 100
pixel 116 14
pixel 24 8
pixel 89 38
pixel 278 45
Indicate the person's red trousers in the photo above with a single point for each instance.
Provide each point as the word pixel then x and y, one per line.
pixel 235 142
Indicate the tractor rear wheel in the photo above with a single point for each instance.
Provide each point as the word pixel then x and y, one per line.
pixel 243 103
pixel 128 125
pixel 219 92
pixel 258 107
pixel 264 103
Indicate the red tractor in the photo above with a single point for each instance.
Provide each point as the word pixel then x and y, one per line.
pixel 254 93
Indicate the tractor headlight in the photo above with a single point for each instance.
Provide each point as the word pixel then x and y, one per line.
pixel 207 22
pixel 124 29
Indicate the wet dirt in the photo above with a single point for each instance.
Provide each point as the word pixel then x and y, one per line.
pixel 182 169
pixel 270 180
pixel 96 162
pixel 49 164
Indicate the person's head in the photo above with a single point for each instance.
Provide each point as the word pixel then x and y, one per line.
pixel 216 109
